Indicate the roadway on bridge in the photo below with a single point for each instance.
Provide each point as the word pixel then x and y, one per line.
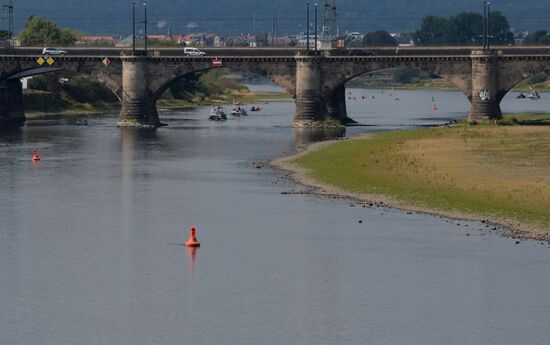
pixel 378 51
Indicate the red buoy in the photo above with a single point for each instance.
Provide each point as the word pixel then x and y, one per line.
pixel 435 107
pixel 35 156
pixel 193 242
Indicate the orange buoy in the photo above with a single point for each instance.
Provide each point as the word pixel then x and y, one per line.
pixel 193 242
pixel 435 107
pixel 35 156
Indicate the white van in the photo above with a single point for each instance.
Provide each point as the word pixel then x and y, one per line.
pixel 193 52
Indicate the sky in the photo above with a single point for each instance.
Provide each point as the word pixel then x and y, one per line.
pixel 237 16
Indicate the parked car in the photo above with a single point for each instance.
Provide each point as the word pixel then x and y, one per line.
pixel 193 52
pixel 362 52
pixel 53 51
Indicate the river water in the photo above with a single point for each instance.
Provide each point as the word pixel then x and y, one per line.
pixel 91 241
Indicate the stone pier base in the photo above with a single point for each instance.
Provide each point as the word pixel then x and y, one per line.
pixel 11 103
pixel 486 94
pixel 308 94
pixel 138 106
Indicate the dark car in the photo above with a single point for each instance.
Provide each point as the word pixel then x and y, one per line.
pixel 362 52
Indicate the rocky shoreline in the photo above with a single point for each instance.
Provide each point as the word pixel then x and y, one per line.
pixel 505 227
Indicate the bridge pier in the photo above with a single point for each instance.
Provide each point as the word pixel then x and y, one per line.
pixel 138 106
pixel 336 105
pixel 486 95
pixel 308 92
pixel 11 103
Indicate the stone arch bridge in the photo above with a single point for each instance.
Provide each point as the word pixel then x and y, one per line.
pixel 317 83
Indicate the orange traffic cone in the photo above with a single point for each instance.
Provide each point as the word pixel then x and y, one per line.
pixel 35 156
pixel 193 242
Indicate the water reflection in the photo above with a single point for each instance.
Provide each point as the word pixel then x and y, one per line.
pixel 192 251
pixel 84 245
pixel 10 135
pixel 131 136
pixel 304 136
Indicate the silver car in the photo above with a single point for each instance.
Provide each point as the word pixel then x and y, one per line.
pixel 193 52
pixel 53 51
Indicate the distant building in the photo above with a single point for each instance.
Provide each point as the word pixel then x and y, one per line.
pixel 241 41
pixel 25 82
pixel 403 40
pixel 301 40
pixel 125 42
pixel 160 37
pixel 97 41
pixel 219 41
pixel 201 39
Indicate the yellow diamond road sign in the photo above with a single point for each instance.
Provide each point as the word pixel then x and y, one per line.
pixel 50 61
pixel 41 61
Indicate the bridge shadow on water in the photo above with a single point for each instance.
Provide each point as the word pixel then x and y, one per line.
pixel 305 136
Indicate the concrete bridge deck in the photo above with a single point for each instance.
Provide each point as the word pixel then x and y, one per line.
pixel 284 51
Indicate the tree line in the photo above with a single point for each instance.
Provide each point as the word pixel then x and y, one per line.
pixel 462 29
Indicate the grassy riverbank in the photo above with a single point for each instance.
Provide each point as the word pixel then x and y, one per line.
pixel 67 94
pixel 491 172
pixel 39 104
pixel 245 97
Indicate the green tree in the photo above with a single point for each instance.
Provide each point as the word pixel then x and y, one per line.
pixel 538 78
pixel 184 87
pixel 41 31
pixel 463 29
pixel 262 39
pixel 433 31
pixel 499 28
pixel 379 39
pixel 537 37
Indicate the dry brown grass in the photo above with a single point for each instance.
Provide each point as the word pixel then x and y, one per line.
pixel 499 173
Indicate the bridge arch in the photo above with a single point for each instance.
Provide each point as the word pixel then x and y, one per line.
pixel 517 71
pixel 282 72
pixel 108 75
pixel 156 95
pixel 458 72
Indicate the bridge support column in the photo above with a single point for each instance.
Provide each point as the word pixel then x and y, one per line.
pixel 11 103
pixel 336 105
pixel 308 92
pixel 138 106
pixel 486 96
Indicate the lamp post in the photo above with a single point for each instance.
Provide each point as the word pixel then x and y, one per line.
pixel 484 25
pixel 488 26
pixel 9 8
pixel 134 27
pixel 316 27
pixel 145 24
pixel 307 30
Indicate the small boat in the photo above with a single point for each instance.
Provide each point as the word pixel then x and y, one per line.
pixel 239 112
pixel 254 108
pixel 217 114
pixel 82 122
pixel 534 94
pixel 521 96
